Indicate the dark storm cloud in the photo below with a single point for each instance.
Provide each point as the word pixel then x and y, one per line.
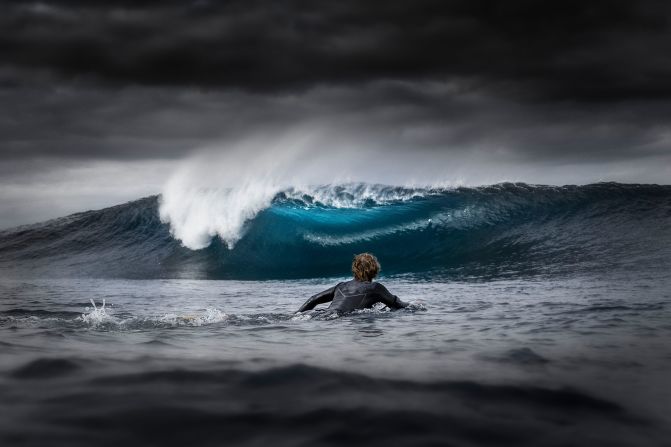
pixel 101 101
pixel 529 50
pixel 149 123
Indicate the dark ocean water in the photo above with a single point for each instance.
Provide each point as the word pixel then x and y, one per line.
pixel 539 316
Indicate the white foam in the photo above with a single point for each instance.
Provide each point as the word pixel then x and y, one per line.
pixel 97 315
pixel 416 306
pixel 197 215
pixel 356 195
pixel 216 193
pixel 210 316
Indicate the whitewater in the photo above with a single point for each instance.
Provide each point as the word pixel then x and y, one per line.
pixel 540 315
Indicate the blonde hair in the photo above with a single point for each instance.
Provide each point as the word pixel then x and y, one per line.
pixel 365 267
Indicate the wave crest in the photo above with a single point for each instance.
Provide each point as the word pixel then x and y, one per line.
pixel 197 215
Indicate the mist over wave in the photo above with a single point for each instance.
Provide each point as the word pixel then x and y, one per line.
pixel 503 229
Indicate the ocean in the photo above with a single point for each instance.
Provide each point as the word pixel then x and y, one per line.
pixel 539 315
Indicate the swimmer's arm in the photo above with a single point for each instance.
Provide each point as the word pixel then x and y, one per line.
pixel 320 298
pixel 389 300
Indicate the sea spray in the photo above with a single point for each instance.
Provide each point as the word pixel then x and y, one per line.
pixel 98 318
pixel 216 192
pixel 196 215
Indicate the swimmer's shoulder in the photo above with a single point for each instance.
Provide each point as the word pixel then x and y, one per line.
pixel 379 287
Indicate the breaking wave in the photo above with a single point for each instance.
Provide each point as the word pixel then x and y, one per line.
pixel 262 233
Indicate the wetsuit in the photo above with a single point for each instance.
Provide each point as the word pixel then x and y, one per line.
pixel 352 295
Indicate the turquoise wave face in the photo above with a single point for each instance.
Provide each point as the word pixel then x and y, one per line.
pixel 499 230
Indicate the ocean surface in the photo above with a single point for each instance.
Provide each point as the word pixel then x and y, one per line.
pixel 539 316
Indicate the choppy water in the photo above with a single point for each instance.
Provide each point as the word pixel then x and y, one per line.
pixel 537 361
pixel 510 340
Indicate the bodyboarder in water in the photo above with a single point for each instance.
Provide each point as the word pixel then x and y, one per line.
pixel 358 293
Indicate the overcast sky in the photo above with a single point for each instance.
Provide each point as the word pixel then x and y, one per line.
pixel 103 101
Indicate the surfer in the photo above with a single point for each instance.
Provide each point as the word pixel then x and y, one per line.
pixel 358 293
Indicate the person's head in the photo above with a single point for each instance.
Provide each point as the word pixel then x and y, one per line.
pixel 365 267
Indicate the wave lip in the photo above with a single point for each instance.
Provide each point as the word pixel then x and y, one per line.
pixel 498 230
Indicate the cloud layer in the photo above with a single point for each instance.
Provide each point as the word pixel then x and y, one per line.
pixel 453 91
pixel 557 50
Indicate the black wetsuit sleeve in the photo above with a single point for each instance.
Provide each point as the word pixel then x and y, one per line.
pixel 320 298
pixel 389 300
